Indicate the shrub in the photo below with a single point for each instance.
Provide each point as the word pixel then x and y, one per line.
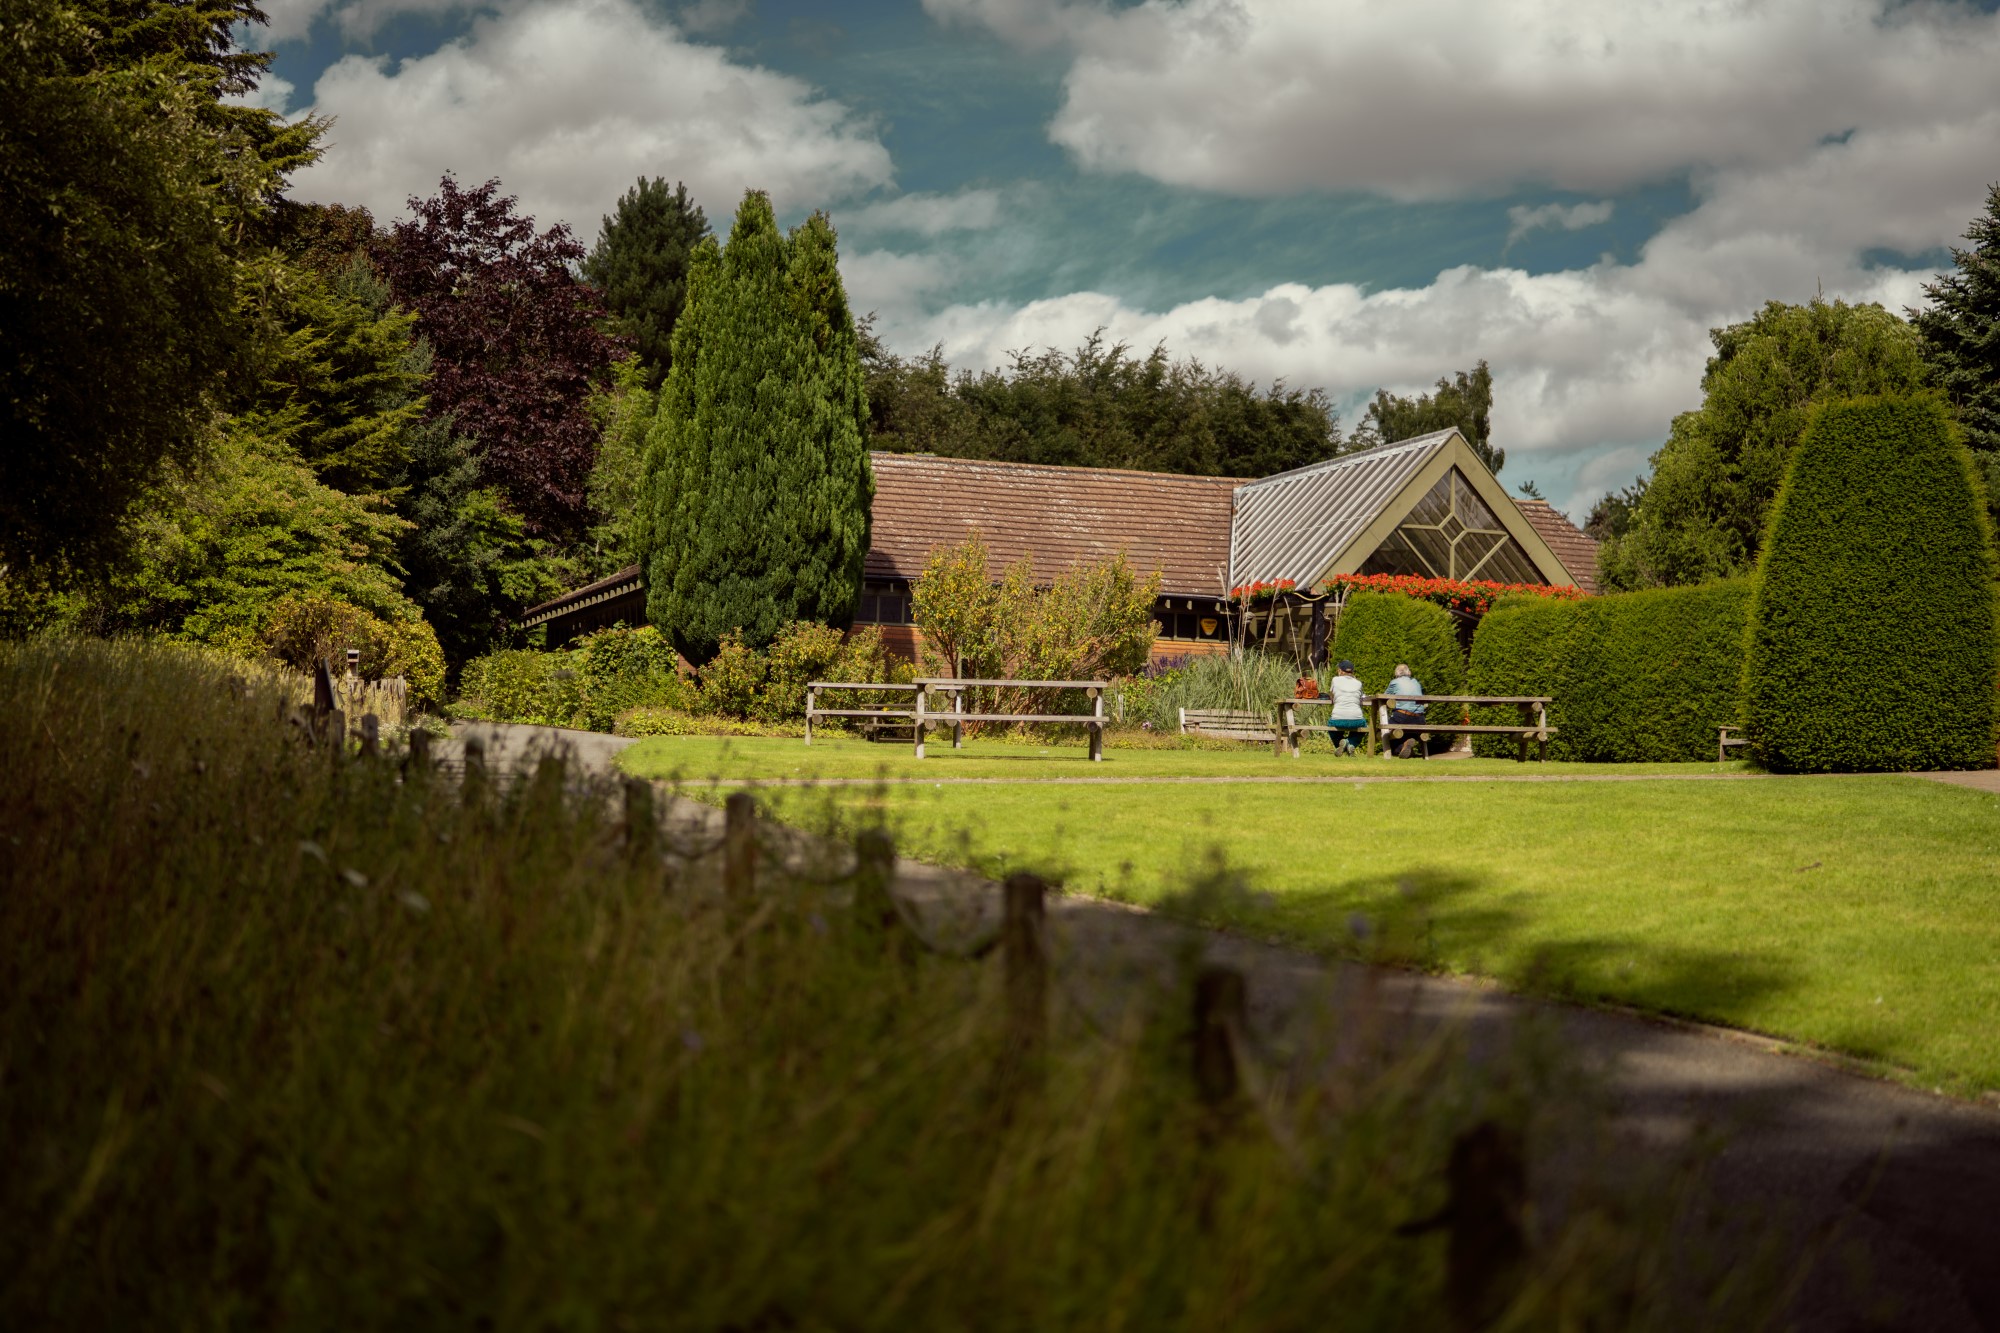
pixel 1872 640
pixel 302 629
pixel 521 685
pixel 1249 679
pixel 1642 677
pixel 620 669
pixel 770 686
pixel 1380 629
pixel 657 721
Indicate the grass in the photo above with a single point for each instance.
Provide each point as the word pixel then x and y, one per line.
pixel 1855 913
pixel 297 1039
pixel 702 758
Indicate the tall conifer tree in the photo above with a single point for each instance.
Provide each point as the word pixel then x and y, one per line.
pixel 757 483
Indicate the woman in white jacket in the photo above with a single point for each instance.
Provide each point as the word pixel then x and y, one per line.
pixel 1349 718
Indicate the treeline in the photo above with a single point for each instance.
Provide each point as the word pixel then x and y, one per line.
pixel 1701 514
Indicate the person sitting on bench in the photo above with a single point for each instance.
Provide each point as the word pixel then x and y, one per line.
pixel 1406 715
pixel 1349 717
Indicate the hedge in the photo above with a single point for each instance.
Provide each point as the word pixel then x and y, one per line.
pixel 1642 677
pixel 1873 642
pixel 1380 629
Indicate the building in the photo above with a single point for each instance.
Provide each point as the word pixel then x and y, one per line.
pixel 1422 506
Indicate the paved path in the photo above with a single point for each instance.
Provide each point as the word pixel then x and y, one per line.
pixel 1897 1191
pixel 1984 779
pixel 1228 780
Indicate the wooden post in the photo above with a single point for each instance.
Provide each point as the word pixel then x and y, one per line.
pixel 417 763
pixel 1219 1016
pixel 1527 721
pixel 1378 726
pixel 875 867
pixel 739 845
pixel 917 728
pixel 1021 951
pixel 642 824
pixel 810 692
pixel 473 789
pixel 336 733
pixel 1097 727
pixel 1288 739
pixel 958 722
pixel 1542 731
pixel 371 736
pixel 1316 656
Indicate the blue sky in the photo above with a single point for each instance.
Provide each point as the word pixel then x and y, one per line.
pixel 1340 193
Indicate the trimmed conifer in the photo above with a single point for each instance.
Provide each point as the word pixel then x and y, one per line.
pixel 1872 636
pixel 757 486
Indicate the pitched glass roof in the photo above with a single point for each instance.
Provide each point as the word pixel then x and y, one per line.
pixel 1294 525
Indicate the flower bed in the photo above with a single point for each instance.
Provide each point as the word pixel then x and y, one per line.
pixel 1473 597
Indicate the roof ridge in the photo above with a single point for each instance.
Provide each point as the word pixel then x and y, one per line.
pixel 1342 460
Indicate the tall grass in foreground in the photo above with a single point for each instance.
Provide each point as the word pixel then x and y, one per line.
pixel 291 1041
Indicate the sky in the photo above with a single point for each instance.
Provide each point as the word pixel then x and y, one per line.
pixel 1341 194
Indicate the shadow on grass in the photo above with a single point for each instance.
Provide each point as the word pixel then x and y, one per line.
pixel 1449 921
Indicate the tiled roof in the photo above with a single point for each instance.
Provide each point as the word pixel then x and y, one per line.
pixel 1573 546
pixel 1295 524
pixel 1061 516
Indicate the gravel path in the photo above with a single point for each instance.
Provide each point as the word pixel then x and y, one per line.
pixel 1896 1191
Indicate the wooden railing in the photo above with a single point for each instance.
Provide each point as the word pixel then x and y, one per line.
pixel 922 717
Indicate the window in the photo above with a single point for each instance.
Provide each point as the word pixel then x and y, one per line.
pixel 885 603
pixel 1451 534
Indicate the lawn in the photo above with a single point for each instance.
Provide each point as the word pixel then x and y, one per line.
pixel 1860 914
pixel 702 758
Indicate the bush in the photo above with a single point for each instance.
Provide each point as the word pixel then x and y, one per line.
pixel 1872 640
pixel 620 669
pixel 521 685
pixel 770 686
pixel 1641 677
pixel 303 629
pixel 655 721
pixel 1380 629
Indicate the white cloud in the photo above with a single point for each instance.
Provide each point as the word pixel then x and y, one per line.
pixel 1574 217
pixel 1458 97
pixel 567 103
pixel 931 214
pixel 288 20
pixel 1589 364
pixel 272 93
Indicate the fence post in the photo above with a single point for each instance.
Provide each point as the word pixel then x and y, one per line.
pixel 1097 727
pixel 642 826
pixel 918 727
pixel 417 764
pixel 1219 1005
pixel 371 736
pixel 473 789
pixel 1026 968
pixel 739 845
pixel 875 866
pixel 336 733
pixel 810 692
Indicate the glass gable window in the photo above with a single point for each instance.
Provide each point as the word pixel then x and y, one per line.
pixel 1451 534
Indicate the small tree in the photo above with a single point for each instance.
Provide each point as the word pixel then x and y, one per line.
pixel 757 487
pixel 1872 637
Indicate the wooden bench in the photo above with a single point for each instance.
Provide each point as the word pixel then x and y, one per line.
pixel 958 714
pixel 1534 724
pixel 876 717
pixel 1229 724
pixel 1727 739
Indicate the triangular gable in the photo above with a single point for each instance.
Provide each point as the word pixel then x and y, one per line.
pixel 1328 519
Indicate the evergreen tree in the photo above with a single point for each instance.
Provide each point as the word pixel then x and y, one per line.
pixel 757 481
pixel 1465 403
pixel 640 263
pixel 1961 333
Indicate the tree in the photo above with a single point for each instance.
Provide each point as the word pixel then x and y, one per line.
pixel 1705 506
pixel 1872 633
pixel 1612 515
pixel 757 483
pixel 640 266
pixel 1099 406
pixel 625 414
pixel 117 287
pixel 514 339
pixel 1961 341
pixel 1465 402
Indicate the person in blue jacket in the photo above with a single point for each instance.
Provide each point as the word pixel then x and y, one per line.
pixel 1406 714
